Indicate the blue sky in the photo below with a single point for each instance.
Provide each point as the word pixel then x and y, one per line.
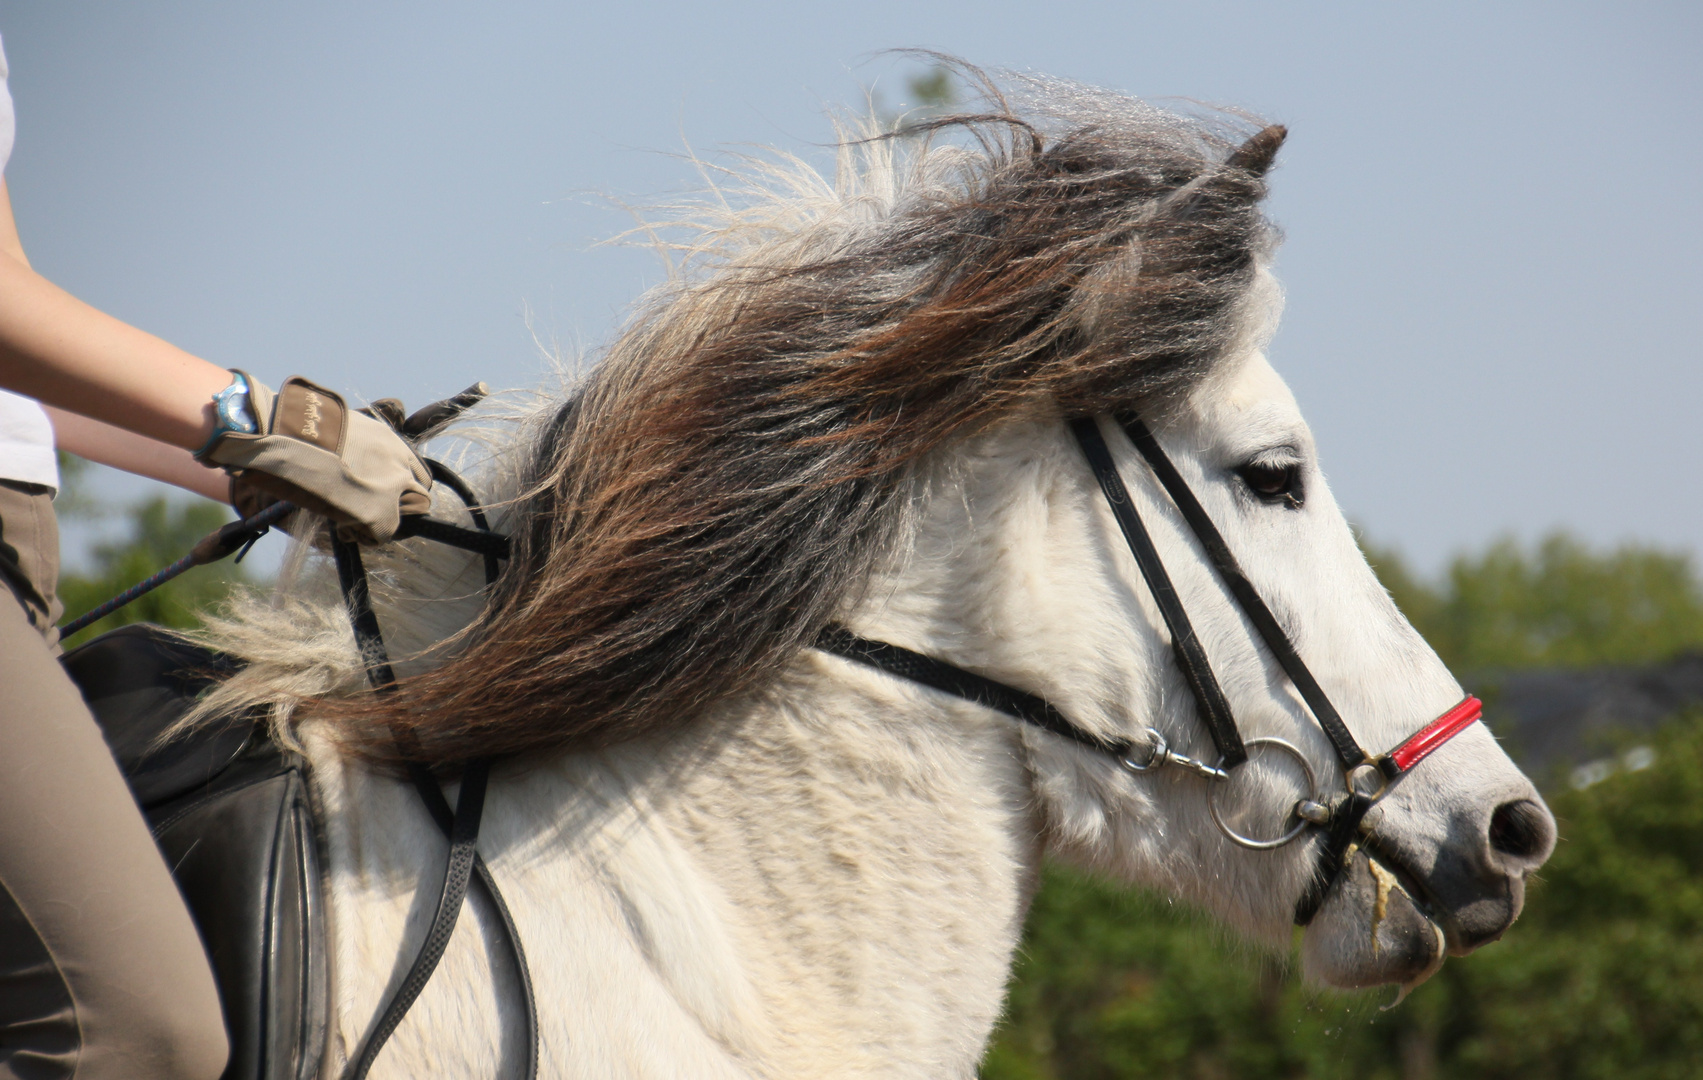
pixel 1492 210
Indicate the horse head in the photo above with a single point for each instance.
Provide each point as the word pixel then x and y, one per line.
pixel 1021 573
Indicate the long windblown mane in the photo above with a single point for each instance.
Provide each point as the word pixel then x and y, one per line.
pixel 721 483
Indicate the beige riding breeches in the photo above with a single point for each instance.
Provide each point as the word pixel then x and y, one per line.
pixel 102 973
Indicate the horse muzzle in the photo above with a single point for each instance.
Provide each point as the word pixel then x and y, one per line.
pixel 1402 903
pixel 1473 884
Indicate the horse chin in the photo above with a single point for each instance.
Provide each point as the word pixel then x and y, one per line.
pixel 1371 932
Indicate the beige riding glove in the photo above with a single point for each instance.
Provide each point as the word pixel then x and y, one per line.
pixel 318 453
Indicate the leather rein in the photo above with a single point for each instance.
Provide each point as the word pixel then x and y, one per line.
pixel 465 865
pixel 1366 778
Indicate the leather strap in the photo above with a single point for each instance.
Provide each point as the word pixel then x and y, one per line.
pixel 1428 738
pixel 1213 707
pixel 461 826
pixel 438 806
pixel 352 577
pixel 493 546
pixel 1347 750
pixel 446 476
pixel 464 834
pixel 1344 826
pixel 939 675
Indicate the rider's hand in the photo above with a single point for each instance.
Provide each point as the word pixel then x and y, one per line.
pixel 318 453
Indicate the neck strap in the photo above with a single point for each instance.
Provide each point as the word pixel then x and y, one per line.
pixel 465 865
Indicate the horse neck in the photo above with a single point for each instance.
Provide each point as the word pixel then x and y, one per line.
pixel 875 853
pixel 876 843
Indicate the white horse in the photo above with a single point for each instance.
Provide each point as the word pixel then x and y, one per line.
pixel 809 867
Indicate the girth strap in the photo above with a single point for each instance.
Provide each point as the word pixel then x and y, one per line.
pixel 1348 751
pixel 1185 643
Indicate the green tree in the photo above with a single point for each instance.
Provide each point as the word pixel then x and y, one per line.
pixel 936 88
pixel 930 92
pixel 157 532
pixel 1557 605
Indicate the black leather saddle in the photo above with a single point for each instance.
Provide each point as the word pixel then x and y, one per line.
pixel 231 814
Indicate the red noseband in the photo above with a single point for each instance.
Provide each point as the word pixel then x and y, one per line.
pixel 1430 737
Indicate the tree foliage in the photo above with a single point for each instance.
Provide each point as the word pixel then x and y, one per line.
pixel 1556 605
pixel 156 532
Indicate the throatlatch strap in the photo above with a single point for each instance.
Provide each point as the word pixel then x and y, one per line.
pixel 939 675
pixel 1348 751
pixel 1191 656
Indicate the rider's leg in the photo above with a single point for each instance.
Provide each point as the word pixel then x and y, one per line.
pixel 102 973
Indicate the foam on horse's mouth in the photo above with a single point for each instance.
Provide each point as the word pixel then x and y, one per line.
pixel 1387 876
pixel 1383 881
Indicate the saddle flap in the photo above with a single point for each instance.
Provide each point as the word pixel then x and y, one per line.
pixel 140 679
pixel 244 854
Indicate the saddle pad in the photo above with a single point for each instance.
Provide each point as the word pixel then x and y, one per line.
pixel 231 814
pixel 138 681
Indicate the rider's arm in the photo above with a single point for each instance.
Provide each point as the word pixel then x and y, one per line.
pixel 61 351
pixel 9 242
pixel 311 449
pixel 102 442
pixel 136 454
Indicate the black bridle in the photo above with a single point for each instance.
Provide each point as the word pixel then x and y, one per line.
pixel 1341 816
pixel 1365 778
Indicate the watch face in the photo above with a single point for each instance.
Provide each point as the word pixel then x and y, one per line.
pixel 233 410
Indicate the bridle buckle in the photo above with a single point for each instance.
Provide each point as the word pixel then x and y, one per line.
pixel 1160 754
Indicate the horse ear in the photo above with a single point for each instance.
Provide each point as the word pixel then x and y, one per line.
pixel 1257 153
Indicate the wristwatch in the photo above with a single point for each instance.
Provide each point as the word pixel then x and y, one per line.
pixel 232 412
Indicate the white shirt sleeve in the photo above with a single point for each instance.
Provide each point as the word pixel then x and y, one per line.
pixel 8 122
pixel 26 435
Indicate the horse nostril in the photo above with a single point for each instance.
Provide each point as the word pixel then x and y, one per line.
pixel 1521 829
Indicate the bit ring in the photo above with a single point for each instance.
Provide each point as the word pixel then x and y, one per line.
pixel 1301 823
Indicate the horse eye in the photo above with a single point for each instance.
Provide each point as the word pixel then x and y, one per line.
pixel 1274 482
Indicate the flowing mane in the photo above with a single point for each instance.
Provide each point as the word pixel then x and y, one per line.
pixel 720 484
